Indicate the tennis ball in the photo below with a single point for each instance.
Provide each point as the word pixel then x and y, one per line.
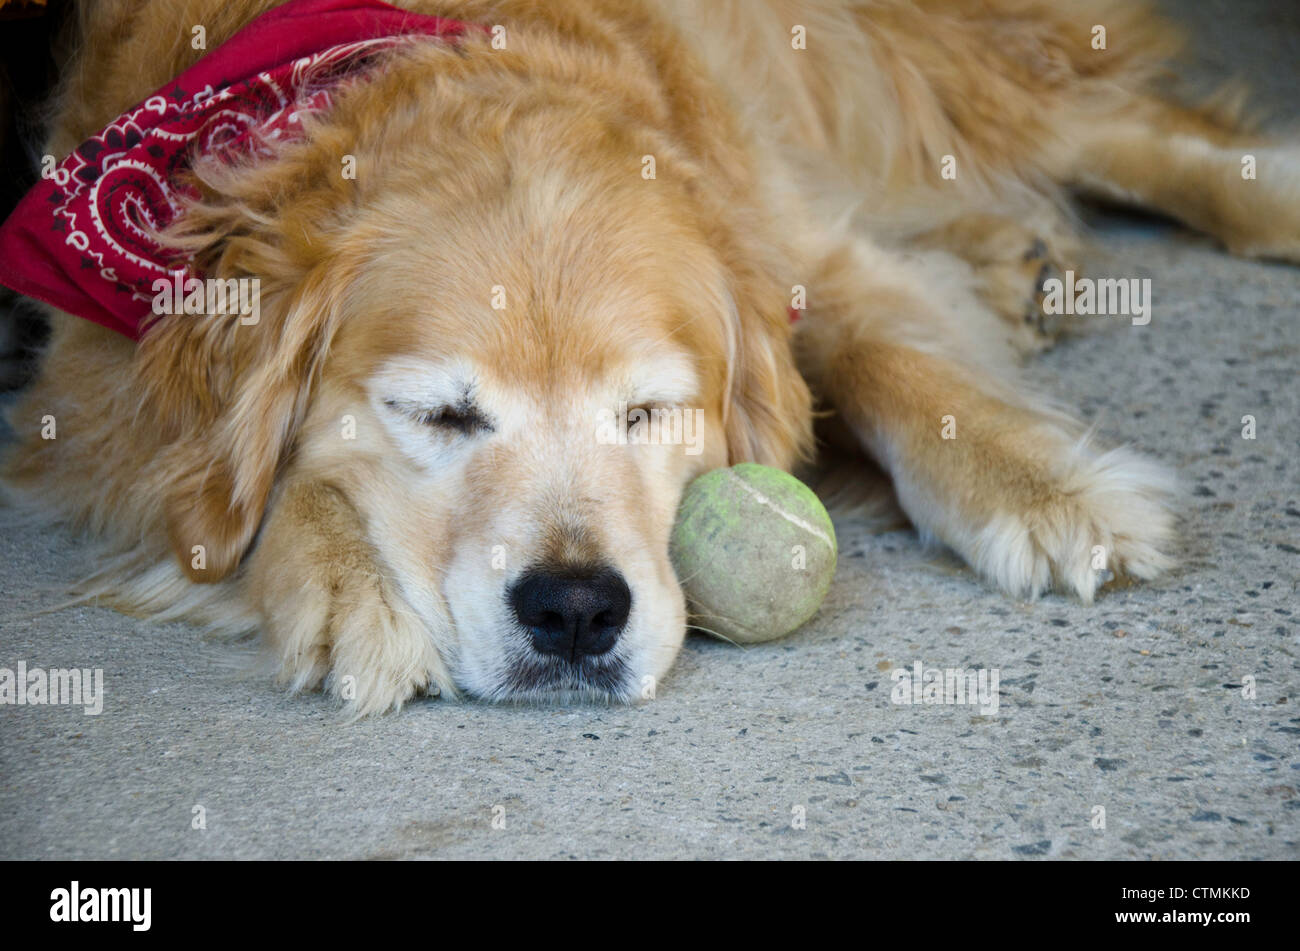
pixel 754 551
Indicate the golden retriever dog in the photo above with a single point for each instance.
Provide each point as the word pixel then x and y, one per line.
pixel 394 475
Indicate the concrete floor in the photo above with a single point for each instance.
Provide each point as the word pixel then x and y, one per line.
pixel 1134 704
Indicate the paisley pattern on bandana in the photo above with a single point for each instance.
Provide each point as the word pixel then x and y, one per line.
pixel 83 238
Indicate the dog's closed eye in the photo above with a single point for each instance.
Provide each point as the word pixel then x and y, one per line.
pixel 464 418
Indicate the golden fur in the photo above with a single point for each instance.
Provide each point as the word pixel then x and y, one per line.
pixel 367 562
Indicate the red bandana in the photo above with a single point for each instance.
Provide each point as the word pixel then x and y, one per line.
pixel 81 238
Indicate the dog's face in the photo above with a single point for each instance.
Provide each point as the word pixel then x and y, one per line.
pixel 533 385
pixel 515 352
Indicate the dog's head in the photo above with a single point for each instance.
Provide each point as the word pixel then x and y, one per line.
pixel 509 346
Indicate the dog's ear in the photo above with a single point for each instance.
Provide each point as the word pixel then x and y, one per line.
pixel 229 398
pixel 226 392
pixel 768 413
pixel 766 405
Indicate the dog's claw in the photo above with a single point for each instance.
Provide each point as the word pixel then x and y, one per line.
pixel 1037 251
pixel 1043 322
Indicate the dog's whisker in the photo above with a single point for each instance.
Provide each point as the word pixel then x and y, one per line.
pixel 699 627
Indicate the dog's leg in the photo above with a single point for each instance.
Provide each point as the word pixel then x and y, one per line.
pixel 1010 484
pixel 1239 187
pixel 330 615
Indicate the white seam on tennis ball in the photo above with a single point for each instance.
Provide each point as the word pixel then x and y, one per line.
pixel 762 499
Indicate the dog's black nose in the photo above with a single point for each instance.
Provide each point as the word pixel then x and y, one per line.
pixel 572 613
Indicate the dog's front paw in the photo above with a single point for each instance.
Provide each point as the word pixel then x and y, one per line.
pixel 1016 286
pixel 331 619
pixel 1012 260
pixel 1100 517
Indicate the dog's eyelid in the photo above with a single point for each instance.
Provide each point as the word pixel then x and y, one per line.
pixel 657 401
pixel 464 417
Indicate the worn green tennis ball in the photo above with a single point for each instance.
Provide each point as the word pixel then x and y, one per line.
pixel 754 551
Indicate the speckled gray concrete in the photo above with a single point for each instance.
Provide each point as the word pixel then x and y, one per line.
pixel 1134 704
